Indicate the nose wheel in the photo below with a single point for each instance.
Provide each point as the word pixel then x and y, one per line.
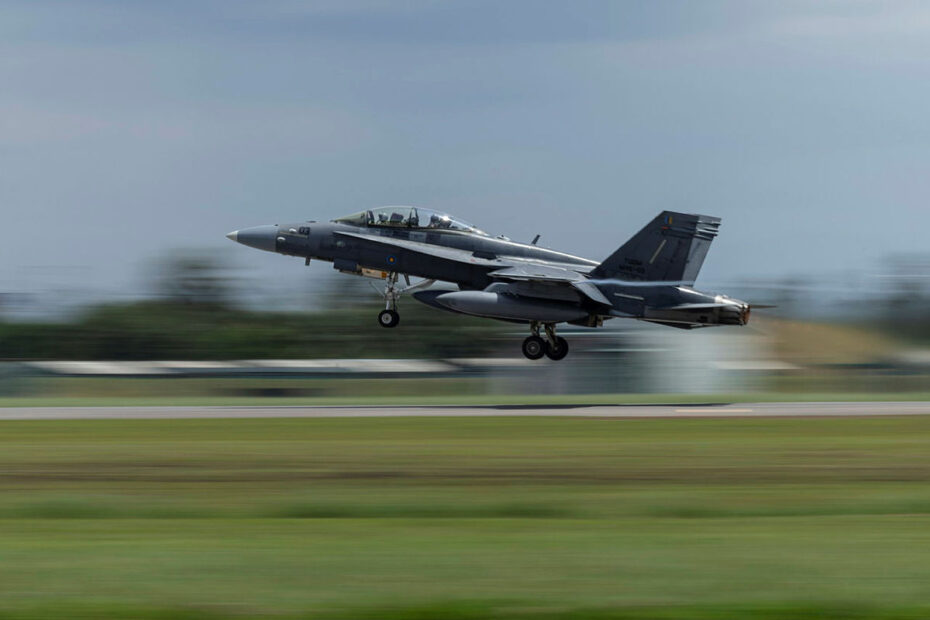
pixel 388 318
pixel 552 346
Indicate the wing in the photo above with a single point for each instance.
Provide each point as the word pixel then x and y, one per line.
pixel 535 272
pixel 559 280
pixel 551 275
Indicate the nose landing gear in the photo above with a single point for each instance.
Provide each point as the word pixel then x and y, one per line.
pixel 389 316
pixel 553 346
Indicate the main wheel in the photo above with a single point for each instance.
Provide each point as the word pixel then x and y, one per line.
pixel 534 347
pixel 388 318
pixel 558 351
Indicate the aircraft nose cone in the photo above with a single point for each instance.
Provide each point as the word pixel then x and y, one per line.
pixel 258 237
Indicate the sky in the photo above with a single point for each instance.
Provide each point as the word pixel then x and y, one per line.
pixel 132 130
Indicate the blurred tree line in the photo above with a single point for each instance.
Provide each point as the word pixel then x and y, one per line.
pixel 894 300
pixel 193 315
pixel 906 308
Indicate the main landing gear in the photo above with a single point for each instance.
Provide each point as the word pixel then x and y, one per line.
pixel 554 347
pixel 389 316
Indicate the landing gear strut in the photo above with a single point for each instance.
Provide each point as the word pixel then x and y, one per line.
pixel 389 316
pixel 554 347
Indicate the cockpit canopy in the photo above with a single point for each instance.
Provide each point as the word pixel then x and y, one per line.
pixel 408 217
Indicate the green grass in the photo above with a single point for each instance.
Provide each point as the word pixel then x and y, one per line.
pixel 532 518
pixel 456 399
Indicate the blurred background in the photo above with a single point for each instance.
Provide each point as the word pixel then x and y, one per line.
pixel 136 135
pixel 195 329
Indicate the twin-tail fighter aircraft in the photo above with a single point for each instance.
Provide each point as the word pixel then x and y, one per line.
pixel 649 278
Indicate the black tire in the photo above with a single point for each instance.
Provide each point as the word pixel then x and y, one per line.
pixel 534 347
pixel 559 351
pixel 388 318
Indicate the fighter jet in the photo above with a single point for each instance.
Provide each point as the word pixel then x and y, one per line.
pixel 650 277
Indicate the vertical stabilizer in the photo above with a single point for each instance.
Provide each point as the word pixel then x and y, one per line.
pixel 671 248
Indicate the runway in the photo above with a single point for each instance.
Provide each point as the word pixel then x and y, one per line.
pixel 730 410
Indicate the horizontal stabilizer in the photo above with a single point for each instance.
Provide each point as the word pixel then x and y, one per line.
pixel 709 306
pixel 677 324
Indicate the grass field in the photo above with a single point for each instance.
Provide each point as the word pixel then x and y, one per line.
pixel 535 518
pixel 170 399
pixel 295 391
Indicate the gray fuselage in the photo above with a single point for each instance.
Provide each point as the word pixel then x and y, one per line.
pixel 655 301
